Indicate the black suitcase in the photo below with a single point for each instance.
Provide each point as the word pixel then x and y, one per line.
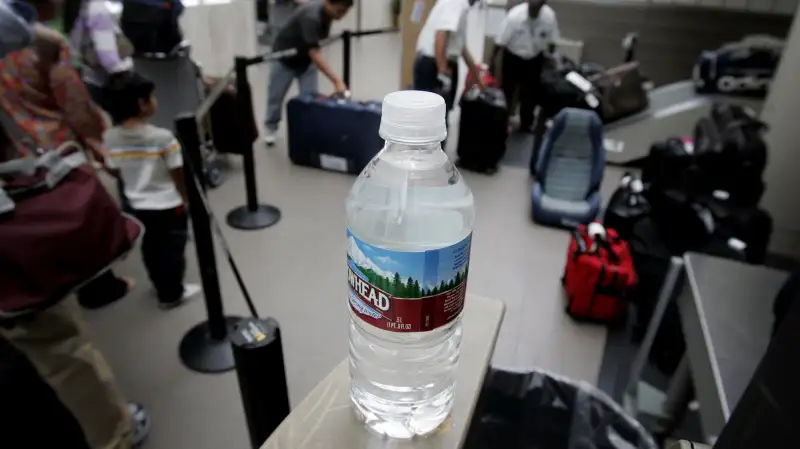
pixel 333 134
pixel 751 225
pixel 627 206
pixel 483 131
pixel 233 130
pixel 731 153
pixel 685 224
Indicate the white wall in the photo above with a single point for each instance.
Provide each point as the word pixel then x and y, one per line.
pixel 781 112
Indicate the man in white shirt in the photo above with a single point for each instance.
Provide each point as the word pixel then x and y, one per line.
pixel 523 46
pixel 439 45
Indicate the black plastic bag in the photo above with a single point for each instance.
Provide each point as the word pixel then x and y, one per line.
pixel 538 410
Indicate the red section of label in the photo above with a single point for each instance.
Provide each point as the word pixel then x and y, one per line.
pixel 387 312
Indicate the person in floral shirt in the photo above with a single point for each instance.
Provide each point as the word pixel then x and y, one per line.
pixel 47 104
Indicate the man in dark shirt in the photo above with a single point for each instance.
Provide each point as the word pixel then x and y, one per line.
pixel 304 30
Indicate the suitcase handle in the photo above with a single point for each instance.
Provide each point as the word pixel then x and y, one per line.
pixel 605 244
pixel 576 234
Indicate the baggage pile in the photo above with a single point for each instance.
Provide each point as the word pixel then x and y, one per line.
pixel 700 195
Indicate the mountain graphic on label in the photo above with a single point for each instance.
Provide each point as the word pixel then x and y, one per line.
pixel 409 275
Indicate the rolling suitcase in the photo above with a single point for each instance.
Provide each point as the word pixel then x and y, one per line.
pixel 333 133
pixel 483 130
pixel 598 276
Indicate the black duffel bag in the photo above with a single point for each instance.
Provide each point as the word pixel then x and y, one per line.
pixel 731 153
pixel 670 165
pixel 557 91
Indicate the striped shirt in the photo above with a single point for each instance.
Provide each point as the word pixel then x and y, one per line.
pixel 145 155
pixel 98 24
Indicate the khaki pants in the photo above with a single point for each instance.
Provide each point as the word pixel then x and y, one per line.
pixel 57 344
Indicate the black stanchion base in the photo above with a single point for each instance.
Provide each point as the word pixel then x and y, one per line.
pixel 202 353
pixel 263 217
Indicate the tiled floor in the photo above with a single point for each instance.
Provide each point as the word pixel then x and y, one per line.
pixel 512 260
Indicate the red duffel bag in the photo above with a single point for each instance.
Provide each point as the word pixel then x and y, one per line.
pixel 59 228
pixel 598 275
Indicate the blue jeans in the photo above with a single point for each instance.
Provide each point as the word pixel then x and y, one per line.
pixel 280 80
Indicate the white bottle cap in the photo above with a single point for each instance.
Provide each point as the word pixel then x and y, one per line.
pixel 414 117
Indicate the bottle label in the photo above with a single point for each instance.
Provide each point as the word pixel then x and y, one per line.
pixel 401 291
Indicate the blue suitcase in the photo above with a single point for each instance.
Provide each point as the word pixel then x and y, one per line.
pixel 333 134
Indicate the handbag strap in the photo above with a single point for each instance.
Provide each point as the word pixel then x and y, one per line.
pixel 56 163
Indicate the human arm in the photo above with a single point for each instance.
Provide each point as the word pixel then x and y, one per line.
pixel 171 153
pixel 79 113
pixel 179 180
pixel 316 57
pixel 312 37
pixel 502 40
pixel 496 64
pixel 102 29
pixel 550 49
pixel 474 69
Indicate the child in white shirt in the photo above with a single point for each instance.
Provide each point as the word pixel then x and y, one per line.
pixel 148 161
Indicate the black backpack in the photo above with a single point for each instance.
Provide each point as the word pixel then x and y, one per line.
pixel 152 25
pixel 731 153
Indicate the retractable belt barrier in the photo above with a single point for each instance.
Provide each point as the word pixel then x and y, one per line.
pixel 222 342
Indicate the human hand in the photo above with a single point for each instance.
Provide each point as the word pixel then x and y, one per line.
pixel 446 80
pixel 481 83
pixel 340 87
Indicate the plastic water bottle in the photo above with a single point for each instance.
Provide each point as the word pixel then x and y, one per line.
pixel 409 230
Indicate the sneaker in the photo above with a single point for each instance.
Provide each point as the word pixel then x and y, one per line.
pixel 270 137
pixel 189 290
pixel 140 421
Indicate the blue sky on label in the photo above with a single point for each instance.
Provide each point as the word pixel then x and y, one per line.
pixel 427 267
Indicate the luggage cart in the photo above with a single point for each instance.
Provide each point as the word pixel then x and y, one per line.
pixel 180 88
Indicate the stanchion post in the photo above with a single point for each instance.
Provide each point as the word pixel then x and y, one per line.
pixel 244 97
pixel 260 369
pixel 252 215
pixel 205 348
pixel 347 38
